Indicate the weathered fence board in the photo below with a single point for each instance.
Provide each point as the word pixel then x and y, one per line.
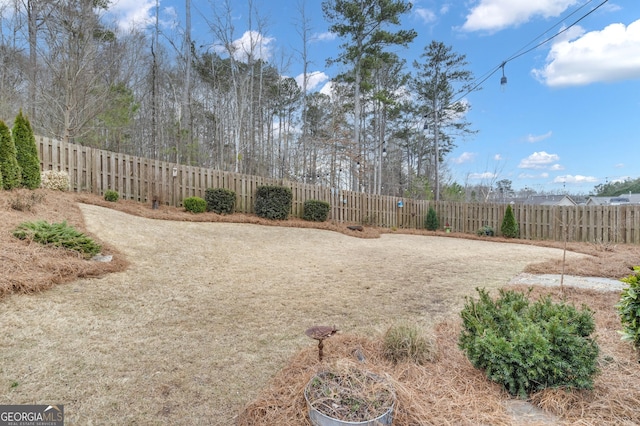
pixel 145 180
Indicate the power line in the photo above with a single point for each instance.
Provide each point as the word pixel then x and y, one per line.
pixel 516 55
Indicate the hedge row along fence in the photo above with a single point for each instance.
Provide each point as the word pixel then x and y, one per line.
pixel 145 180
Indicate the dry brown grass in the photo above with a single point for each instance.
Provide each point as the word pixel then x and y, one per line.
pixel 164 342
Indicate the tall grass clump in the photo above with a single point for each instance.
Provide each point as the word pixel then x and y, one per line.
pixel 408 342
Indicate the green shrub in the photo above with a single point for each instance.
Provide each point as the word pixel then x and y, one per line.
pixel 57 180
pixel 26 151
pixel 486 230
pixel 111 195
pixel 405 341
pixel 195 205
pixel 9 167
pixel 509 226
pixel 629 308
pixel 431 222
pixel 219 200
pixel 527 348
pixel 57 235
pixel 316 210
pixel 273 202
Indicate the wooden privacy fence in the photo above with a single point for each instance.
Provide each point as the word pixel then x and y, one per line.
pixel 145 180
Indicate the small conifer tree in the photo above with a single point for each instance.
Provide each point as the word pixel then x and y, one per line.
pixel 27 152
pixel 9 167
pixel 431 221
pixel 509 226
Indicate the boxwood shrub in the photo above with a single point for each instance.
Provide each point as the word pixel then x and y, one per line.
pixel 195 205
pixel 316 210
pixel 273 202
pixel 111 195
pixel 219 200
pixel 528 347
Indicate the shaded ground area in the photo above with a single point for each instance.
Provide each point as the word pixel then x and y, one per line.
pixel 207 313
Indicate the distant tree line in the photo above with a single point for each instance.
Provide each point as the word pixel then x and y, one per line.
pixel 160 93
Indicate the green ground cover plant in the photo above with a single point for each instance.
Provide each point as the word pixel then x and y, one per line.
pixel 58 235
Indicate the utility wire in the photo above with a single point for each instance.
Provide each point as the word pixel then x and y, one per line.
pixel 517 55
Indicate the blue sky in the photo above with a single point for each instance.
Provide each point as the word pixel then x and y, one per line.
pixel 568 118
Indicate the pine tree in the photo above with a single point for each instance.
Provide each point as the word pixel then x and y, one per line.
pixel 509 226
pixel 431 222
pixel 11 173
pixel 27 152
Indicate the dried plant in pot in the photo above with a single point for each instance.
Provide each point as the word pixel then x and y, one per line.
pixel 349 395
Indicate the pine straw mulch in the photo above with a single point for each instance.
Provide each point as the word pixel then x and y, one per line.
pixel 447 391
pixel 29 267
pixel 450 391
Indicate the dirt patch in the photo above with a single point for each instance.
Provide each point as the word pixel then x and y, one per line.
pixel 209 312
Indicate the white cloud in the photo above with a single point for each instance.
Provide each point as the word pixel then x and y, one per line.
pixel 481 176
pixel 612 54
pixel 619 166
pixel 133 13
pixel 530 176
pixel 537 138
pixel 327 36
pixel 498 157
pixel 314 79
pixel 556 167
pixel 495 15
pixel 251 43
pixel 575 179
pixel 538 160
pixel 426 15
pixel 465 157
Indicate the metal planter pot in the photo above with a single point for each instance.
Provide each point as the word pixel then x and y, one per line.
pixel 318 418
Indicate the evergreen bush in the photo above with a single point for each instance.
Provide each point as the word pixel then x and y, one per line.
pixel 195 205
pixel 9 167
pixel 273 202
pixel 111 195
pixel 26 152
pixel 316 210
pixel 57 235
pixel 528 347
pixel 431 222
pixel 220 200
pixel 629 308
pixel 509 226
